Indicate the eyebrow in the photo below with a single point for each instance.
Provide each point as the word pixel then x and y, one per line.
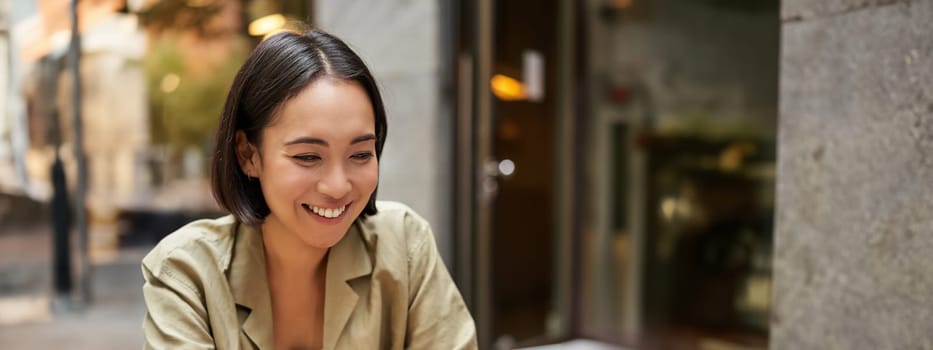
pixel 317 141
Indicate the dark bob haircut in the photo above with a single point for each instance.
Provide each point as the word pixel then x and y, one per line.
pixel 277 70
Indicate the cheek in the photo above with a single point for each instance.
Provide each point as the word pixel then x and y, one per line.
pixel 368 177
pixel 285 181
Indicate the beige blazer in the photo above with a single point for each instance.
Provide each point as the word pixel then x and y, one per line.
pixel 386 288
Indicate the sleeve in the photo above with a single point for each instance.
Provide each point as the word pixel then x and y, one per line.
pixel 437 316
pixel 176 318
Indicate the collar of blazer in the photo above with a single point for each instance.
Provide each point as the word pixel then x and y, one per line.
pixel 346 261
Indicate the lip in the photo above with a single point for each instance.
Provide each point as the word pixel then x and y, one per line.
pixel 327 221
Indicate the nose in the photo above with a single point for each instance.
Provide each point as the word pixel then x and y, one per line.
pixel 335 183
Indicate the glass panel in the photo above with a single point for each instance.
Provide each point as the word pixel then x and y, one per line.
pixel 523 151
pixel 681 150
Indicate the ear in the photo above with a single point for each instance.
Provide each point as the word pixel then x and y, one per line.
pixel 248 156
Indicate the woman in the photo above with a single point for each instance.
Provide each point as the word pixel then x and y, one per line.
pixel 307 259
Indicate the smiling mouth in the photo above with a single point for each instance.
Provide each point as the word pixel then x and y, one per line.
pixel 329 213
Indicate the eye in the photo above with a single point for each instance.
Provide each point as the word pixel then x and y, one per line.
pixel 306 157
pixel 362 156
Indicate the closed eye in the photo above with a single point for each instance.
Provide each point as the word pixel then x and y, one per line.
pixel 362 156
pixel 306 157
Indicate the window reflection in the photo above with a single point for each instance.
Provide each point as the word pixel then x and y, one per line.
pixel 681 151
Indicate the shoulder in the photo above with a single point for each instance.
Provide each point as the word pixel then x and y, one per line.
pixel 395 213
pixel 200 246
pixel 398 222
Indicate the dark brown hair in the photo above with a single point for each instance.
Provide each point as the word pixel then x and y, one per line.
pixel 277 70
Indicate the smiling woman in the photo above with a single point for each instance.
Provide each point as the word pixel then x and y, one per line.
pixel 307 258
pixel 317 160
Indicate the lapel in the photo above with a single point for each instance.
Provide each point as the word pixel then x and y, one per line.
pixel 251 287
pixel 346 261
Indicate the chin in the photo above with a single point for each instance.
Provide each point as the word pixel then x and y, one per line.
pixel 324 238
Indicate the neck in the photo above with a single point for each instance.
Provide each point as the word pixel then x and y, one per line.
pixel 286 252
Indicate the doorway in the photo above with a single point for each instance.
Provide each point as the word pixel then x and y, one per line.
pixel 630 201
pixel 513 230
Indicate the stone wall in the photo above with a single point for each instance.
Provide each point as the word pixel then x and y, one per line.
pixel 854 231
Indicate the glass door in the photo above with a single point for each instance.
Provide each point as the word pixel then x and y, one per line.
pixel 679 190
pixel 514 230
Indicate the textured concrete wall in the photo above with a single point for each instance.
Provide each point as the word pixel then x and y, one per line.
pixel 854 235
pixel 399 40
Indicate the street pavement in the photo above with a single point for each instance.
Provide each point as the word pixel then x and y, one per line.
pixel 31 318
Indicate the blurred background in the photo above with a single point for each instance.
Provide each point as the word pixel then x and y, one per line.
pixel 599 173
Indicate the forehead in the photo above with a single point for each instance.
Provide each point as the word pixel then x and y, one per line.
pixel 326 108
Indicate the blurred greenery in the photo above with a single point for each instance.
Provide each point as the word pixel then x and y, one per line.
pixel 187 115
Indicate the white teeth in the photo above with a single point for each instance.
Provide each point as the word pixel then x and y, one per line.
pixel 328 212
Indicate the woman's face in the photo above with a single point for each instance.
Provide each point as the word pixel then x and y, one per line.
pixel 316 162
